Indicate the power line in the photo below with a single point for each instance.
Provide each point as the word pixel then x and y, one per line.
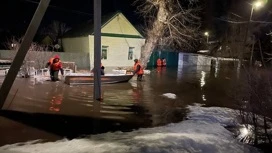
pixel 229 21
pixel 236 15
pixel 263 22
pixel 60 8
pixel 243 22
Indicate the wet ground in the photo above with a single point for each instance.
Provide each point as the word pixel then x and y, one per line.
pixel 51 110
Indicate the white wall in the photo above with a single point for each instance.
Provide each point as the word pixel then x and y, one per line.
pixel 82 60
pixel 118 50
pixel 193 59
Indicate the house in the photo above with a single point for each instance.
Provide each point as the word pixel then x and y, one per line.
pixel 47 40
pixel 121 42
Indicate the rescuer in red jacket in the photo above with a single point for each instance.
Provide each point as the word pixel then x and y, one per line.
pixel 55 66
pixel 138 69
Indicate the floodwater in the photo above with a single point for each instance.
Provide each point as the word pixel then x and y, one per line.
pixel 69 111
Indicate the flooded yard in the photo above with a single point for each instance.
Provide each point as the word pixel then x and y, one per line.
pixel 69 111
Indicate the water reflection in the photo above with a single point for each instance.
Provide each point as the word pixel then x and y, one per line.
pixel 246 134
pixel 132 102
pixel 137 92
pixel 238 68
pixel 56 97
pixel 161 69
pixel 204 97
pixel 216 68
pixel 160 73
pixel 56 103
pixel 179 74
pixel 202 80
pixel 202 84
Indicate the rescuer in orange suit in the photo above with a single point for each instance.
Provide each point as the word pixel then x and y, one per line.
pixel 163 62
pixel 55 66
pixel 159 62
pixel 138 69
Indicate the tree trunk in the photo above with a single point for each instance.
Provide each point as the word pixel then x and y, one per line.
pixel 154 34
pixel 261 52
pixel 255 124
pixel 147 51
pixel 265 130
pixel 252 52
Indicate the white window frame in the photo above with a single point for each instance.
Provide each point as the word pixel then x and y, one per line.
pixel 131 49
pixel 107 50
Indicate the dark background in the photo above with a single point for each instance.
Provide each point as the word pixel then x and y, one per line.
pixel 15 15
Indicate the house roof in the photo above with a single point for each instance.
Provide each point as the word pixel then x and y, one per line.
pixel 87 28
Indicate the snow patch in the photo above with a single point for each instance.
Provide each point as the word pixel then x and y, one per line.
pixel 147 71
pixel 203 132
pixel 170 95
pixel 39 79
pixel 214 115
pixel 5 61
pixel 2 73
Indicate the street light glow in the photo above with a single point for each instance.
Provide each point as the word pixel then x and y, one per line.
pixel 258 4
pixel 207 35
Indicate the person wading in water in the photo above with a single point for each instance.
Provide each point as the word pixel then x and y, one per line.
pixel 138 69
pixel 55 66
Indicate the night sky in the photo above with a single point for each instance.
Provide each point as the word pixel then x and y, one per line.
pixel 15 15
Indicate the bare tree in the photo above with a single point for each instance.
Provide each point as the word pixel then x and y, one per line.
pixel 252 96
pixel 56 30
pixel 270 34
pixel 15 43
pixel 236 43
pixel 170 23
pixel 231 42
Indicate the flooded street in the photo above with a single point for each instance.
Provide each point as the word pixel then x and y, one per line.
pixel 70 111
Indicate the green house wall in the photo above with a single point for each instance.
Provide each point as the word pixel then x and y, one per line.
pixel 171 58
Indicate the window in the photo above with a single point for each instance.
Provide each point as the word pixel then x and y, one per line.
pixel 104 55
pixel 130 53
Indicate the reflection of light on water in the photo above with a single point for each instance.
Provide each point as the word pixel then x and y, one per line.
pixel 216 68
pixel 203 97
pixel 202 80
pixel 56 101
pixel 202 83
pixel 179 73
pixel 244 131
pixel 133 84
pixel 238 69
pixel 246 134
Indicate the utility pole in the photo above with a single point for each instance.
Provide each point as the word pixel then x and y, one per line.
pixel 252 50
pixel 247 31
pixel 255 5
pixel 97 50
pixel 207 36
pixel 21 53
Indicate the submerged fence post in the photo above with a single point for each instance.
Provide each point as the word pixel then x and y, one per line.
pixel 20 55
pixel 97 50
